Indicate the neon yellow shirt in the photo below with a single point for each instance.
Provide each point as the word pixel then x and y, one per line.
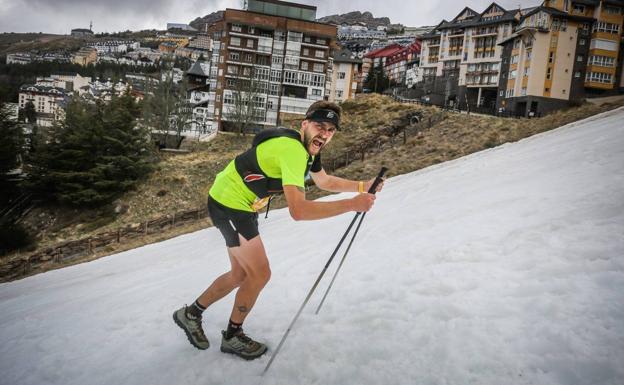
pixel 282 157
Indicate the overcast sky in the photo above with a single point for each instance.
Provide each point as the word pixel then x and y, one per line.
pixel 60 16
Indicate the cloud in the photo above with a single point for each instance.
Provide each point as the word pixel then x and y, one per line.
pixel 60 16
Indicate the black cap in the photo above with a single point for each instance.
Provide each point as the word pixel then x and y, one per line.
pixel 324 115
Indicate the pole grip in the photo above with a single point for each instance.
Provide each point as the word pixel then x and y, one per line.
pixel 378 180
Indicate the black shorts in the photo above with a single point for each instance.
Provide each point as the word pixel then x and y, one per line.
pixel 232 222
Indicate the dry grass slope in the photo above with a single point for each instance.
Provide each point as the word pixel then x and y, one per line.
pixel 181 182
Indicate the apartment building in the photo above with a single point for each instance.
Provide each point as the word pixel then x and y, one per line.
pixel 19 58
pixel 47 102
pixel 345 77
pixel 547 60
pixel 276 46
pixel 397 63
pixel 461 59
pixel 604 63
pixel 85 56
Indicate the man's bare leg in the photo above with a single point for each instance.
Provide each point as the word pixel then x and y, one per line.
pixel 225 283
pixel 252 258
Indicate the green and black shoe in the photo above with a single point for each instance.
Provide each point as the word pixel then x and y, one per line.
pixel 192 327
pixel 242 346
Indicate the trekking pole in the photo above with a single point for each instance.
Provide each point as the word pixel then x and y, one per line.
pixel 357 228
pixel 340 265
pixel 305 302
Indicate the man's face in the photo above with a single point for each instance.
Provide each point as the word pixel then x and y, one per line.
pixel 316 135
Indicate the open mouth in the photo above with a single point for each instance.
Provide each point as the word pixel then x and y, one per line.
pixel 317 144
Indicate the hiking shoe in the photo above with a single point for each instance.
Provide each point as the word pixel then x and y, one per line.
pixel 192 327
pixel 242 346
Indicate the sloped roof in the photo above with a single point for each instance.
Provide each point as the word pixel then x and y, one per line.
pixel 197 70
pixel 346 56
pixel 386 51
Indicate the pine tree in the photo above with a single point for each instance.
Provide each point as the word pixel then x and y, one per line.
pixel 11 148
pixel 377 80
pixel 97 153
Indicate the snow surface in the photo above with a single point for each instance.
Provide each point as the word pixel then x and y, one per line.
pixel 503 267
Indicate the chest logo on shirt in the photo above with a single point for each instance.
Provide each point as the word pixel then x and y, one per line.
pixel 253 177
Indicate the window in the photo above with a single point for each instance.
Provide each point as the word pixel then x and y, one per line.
pixel 551 57
pixel 598 77
pixel 578 8
pixel 549 73
pixel 341 75
pixel 564 25
pixel 277 59
pixel 602 26
pixel 318 67
pixel 509 93
pixel 612 10
pixel 306 52
pixel 528 55
pixel 252 30
pixel 577 74
pixel 317 92
pixel 527 71
pixel 523 91
pixel 250 43
pixel 581 41
pixel 512 74
pixel 338 93
pixel 319 54
pixel 318 80
pixel 235 41
pixel 546 90
pixel 295 36
pixel 221 59
pixel 276 76
pixel 608 45
pixel 603 61
pixel 307 39
pixel 321 41
pixel 262 73
pixel 246 71
pixel 514 59
pixel 232 70
pixel 218 97
pixel 580 58
pixel 237 28
pixel 248 57
pixel 234 56
pixel 304 65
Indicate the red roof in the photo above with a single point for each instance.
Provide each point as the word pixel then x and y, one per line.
pixel 386 51
pixel 404 53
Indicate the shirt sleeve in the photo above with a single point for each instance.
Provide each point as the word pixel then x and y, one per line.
pixel 293 164
pixel 317 165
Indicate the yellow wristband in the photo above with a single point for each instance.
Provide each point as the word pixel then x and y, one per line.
pixel 360 187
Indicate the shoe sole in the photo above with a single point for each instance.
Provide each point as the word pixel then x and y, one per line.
pixel 248 358
pixel 188 335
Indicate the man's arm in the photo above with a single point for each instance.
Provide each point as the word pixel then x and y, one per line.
pixel 333 183
pixel 302 209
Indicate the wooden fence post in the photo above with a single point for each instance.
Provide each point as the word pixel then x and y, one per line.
pixel 146 222
pixel 89 245
pixel 173 220
pixel 404 136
